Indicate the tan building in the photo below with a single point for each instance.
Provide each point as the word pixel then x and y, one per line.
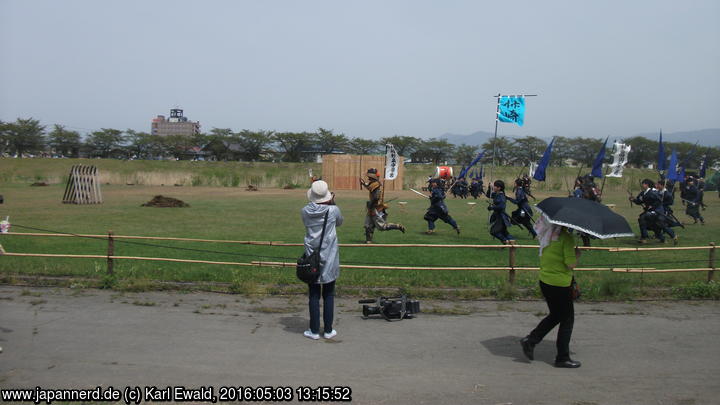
pixel 177 124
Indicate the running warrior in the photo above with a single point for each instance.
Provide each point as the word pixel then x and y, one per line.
pixel 692 198
pixel 653 215
pixel 523 215
pixel 438 209
pixel 476 188
pixel 667 199
pixel 376 208
pixel 499 220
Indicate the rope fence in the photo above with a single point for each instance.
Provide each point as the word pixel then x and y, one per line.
pixel 511 268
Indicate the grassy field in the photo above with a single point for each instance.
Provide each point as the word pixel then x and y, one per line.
pixel 230 213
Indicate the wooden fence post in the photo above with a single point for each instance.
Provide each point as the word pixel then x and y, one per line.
pixel 110 252
pixel 511 259
pixel 711 262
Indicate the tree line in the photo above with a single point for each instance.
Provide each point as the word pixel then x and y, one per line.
pixel 29 137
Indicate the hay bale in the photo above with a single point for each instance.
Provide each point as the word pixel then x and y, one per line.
pixel 160 201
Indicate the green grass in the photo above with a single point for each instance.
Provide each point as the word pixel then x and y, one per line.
pixel 230 213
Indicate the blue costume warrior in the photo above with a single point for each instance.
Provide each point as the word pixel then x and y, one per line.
pixel 476 188
pixel 653 215
pixel 523 215
pixel 438 209
pixel 692 197
pixel 499 220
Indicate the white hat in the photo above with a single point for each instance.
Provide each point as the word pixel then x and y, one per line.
pixel 319 192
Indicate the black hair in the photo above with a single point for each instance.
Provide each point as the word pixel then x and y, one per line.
pixel 648 182
pixel 499 184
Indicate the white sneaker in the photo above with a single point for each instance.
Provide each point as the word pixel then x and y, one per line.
pixel 330 335
pixel 314 336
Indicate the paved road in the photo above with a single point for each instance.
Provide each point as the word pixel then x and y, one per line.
pixel 632 353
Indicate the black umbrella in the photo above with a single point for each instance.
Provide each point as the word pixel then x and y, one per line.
pixel 586 216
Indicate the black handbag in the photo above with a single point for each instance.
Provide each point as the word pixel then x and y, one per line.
pixel 308 267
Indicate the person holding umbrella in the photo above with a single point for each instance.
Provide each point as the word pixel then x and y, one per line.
pixel 558 258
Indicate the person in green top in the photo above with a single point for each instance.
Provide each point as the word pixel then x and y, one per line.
pixel 558 257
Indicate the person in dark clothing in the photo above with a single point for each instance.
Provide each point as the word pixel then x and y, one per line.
pixel 499 220
pixel 438 209
pixel 476 188
pixel 691 198
pixel 523 215
pixel 667 200
pixel 653 215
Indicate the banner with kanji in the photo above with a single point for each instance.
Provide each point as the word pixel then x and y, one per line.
pixel 512 109
pixel 391 163
pixel 620 159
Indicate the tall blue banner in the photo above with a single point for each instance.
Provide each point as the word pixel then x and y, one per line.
pixel 512 109
pixel 597 164
pixel 544 162
pixel 673 168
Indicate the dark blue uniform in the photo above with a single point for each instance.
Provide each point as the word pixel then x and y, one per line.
pixel 653 215
pixel 499 220
pixel 692 197
pixel 438 210
pixel 523 215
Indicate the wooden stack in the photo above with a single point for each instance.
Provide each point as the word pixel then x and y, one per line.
pixel 83 186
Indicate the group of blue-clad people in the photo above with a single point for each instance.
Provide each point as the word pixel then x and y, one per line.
pixel 656 199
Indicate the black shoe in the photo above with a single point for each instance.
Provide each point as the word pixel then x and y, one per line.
pixel 567 364
pixel 527 348
pixel 457 230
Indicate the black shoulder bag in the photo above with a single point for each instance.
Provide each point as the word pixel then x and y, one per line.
pixel 308 267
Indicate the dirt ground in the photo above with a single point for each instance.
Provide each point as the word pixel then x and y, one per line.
pixel 632 353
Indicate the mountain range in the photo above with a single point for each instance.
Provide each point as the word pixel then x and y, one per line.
pixel 704 137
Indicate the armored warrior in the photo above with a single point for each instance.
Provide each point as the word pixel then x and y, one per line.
pixel 476 188
pixel 376 208
pixel 438 209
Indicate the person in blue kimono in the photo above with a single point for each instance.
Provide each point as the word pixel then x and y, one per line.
pixel 499 220
pixel 522 216
pixel 438 209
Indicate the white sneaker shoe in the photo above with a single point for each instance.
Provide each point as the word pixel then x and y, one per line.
pixel 330 335
pixel 314 336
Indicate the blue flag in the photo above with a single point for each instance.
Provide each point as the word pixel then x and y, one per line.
pixel 597 164
pixel 511 109
pixel 661 155
pixel 482 172
pixel 544 162
pixel 673 169
pixel 464 171
pixel 703 167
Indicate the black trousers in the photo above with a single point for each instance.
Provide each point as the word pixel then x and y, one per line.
pixel 560 304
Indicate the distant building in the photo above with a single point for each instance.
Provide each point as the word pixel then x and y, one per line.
pixel 177 124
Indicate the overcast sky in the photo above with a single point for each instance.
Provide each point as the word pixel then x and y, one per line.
pixel 365 68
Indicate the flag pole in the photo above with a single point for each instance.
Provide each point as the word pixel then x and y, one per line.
pixel 497 118
pixel 607 170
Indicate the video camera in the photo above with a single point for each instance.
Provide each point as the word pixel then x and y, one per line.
pixel 391 308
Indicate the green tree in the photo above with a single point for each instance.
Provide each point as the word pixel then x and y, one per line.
pixel 218 143
pixel 64 142
pixel 142 145
pixel 526 150
pixel 177 146
pixel 584 150
pixel 293 145
pixel 562 151
pixel 643 151
pixel 105 143
pixel 254 144
pixel 362 146
pixel 502 148
pixel 329 142
pixel 404 145
pixel 24 136
pixel 434 150
pixel 464 154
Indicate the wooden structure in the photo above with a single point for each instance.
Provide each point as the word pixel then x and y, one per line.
pixel 341 172
pixel 83 186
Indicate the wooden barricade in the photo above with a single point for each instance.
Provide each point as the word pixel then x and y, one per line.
pixel 341 172
pixel 83 186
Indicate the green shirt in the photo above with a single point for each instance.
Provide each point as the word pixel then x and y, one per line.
pixel 556 258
